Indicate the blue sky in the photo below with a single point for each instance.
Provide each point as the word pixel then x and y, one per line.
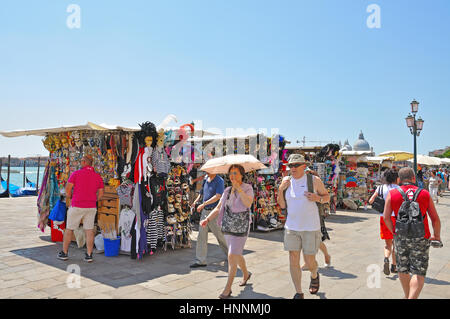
pixel 309 68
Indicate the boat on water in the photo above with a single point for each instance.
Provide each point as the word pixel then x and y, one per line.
pixel 16 191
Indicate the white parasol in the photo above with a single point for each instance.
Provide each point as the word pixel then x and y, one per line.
pixel 427 160
pixel 221 165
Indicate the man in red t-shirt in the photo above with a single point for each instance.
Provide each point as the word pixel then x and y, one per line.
pixel 84 188
pixel 412 254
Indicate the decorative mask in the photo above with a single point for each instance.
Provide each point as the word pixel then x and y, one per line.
pixel 178 198
pixel 160 138
pixel 57 142
pixel 49 144
pixel 70 139
pixel 171 220
pixel 148 141
pixel 170 199
pixel 77 137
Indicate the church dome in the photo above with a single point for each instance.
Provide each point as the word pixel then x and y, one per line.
pixel 347 146
pixel 361 144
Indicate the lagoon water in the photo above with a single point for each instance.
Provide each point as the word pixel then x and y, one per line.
pixel 16 177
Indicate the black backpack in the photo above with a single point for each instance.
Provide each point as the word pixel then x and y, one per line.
pixel 409 222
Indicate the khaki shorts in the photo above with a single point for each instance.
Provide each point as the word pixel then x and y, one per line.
pixel 75 215
pixel 308 241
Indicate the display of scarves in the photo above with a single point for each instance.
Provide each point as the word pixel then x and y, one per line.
pixel 43 201
pixel 53 189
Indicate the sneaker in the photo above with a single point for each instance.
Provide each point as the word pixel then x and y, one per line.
pixel 62 255
pixel 88 258
pixel 393 269
pixel 299 296
pixel 386 266
pixel 197 265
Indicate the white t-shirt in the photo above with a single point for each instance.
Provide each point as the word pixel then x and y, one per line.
pixel 386 189
pixel 125 222
pixel 302 214
pixel 434 182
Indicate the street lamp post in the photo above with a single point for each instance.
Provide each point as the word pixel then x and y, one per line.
pixel 415 127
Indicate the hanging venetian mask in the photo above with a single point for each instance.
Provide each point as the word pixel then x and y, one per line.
pixel 57 142
pixel 160 138
pixel 178 198
pixel 148 141
pixel 64 141
pixel 48 144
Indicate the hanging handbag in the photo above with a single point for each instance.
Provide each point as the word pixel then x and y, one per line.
pixel 378 203
pixel 236 224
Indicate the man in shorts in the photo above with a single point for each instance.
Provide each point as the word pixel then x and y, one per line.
pixel 302 227
pixel 412 254
pixel 84 188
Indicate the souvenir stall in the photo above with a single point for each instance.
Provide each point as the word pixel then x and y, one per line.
pixel 146 196
pixel 326 164
pixel 353 186
pixel 377 166
pixel 266 212
pixel 324 161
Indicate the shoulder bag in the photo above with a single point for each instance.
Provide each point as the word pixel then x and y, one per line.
pixel 236 224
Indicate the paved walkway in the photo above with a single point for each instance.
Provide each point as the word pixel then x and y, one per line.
pixel 29 268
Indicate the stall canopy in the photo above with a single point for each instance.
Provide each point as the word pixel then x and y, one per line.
pixel 427 160
pixel 398 155
pixel 445 161
pixel 355 153
pixel 91 127
pixel 378 159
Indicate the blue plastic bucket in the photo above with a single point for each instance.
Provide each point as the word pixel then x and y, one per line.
pixel 112 246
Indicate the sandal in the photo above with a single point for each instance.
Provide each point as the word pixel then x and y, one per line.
pixel 222 296
pixel 314 285
pixel 243 283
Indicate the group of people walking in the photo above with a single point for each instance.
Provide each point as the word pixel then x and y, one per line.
pixel 303 234
pixel 410 249
pixel 300 195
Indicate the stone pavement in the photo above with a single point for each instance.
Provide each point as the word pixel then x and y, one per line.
pixel 29 268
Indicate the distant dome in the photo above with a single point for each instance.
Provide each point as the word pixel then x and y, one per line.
pixel 361 144
pixel 347 146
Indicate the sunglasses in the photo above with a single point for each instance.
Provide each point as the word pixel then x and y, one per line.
pixel 294 165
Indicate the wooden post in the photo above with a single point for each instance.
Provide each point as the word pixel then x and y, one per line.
pixel 37 181
pixel 9 171
pixel 24 167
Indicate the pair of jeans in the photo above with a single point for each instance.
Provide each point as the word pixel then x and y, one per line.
pixel 201 249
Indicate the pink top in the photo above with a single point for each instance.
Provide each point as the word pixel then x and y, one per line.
pixel 86 184
pixel 236 204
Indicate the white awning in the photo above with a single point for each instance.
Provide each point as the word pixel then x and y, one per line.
pixel 378 159
pixel 45 131
pixel 427 160
pixel 355 153
pixel 89 126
